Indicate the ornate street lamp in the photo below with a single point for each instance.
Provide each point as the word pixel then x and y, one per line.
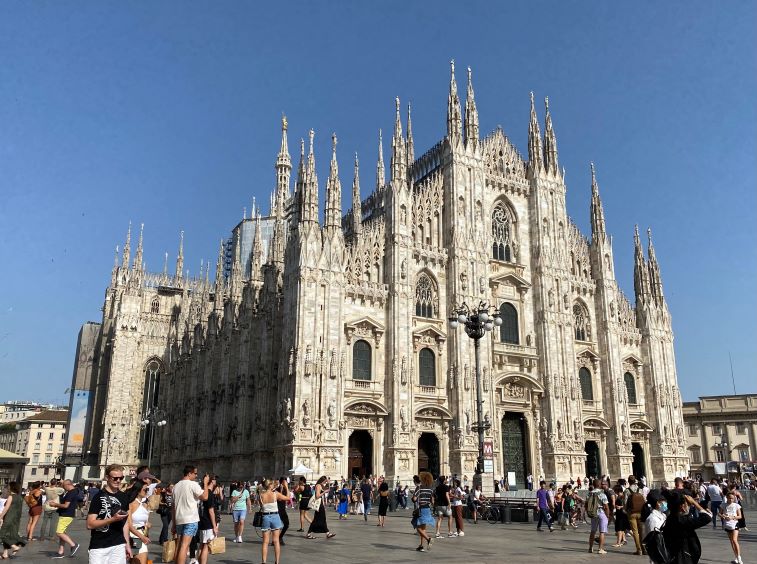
pixel 477 322
pixel 155 417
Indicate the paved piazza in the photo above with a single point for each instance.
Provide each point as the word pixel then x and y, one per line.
pixel 359 542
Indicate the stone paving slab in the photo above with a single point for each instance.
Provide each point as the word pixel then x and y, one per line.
pixel 358 542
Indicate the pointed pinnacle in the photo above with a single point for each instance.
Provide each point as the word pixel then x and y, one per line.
pixel 333 145
pixel 312 135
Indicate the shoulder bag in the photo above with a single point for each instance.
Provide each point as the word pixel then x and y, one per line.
pixel 314 503
pixel 257 519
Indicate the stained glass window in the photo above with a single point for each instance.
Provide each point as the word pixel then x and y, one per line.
pixel 427 367
pixel 502 226
pixel 361 361
pixel 425 296
pixel 630 387
pixel 508 331
pixel 587 390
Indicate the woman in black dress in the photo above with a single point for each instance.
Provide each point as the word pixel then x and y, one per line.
pixel 319 524
pixel 305 492
pixel 383 492
pixel 622 524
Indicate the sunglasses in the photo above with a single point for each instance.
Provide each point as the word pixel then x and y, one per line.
pixel 115 478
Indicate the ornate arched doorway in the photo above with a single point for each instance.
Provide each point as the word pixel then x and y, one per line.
pixel 638 467
pixel 593 464
pixel 514 447
pixel 360 454
pixel 428 453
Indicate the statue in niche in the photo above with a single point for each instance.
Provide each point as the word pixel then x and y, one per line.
pixel 551 298
pixel 403 269
pixel 306 414
pixel 481 285
pixel 459 438
pixel 464 282
pixel 467 420
pixel 577 429
pixel 559 429
pixel 565 301
pixel 528 340
pixel 403 371
pixel 331 412
pixel 403 418
pixel 288 410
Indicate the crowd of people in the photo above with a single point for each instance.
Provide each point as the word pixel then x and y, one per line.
pixel 636 512
pixel 117 513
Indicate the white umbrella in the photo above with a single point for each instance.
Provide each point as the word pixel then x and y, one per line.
pixel 300 470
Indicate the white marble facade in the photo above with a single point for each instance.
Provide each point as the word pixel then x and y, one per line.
pixel 336 351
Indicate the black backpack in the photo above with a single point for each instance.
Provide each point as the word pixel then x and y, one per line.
pixel 657 550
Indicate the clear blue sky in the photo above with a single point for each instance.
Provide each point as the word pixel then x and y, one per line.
pixel 168 113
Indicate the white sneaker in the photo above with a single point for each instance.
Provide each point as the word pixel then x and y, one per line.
pixel 452 535
pixel 461 534
pixel 439 535
pixel 194 561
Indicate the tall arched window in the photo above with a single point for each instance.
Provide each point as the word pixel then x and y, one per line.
pixel 427 367
pixel 581 323
pixel 503 226
pixel 587 390
pixel 153 372
pixel 425 297
pixel 630 387
pixel 155 306
pixel 508 331
pixel 361 360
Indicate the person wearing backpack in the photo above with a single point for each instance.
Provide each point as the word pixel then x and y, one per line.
pixel 680 527
pixel 598 509
pixel 635 502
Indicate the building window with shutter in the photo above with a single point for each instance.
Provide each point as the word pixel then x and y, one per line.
pixel 361 360
pixel 587 389
pixel 427 367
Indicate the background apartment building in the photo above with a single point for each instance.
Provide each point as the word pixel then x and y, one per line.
pixel 722 435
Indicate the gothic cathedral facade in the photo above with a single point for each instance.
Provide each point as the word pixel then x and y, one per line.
pixel 333 348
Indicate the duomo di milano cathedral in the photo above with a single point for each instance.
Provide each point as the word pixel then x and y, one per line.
pixel 327 343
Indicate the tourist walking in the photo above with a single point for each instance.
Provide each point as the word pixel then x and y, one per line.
pixel 208 523
pixel 457 496
pixel 34 500
pixel 10 521
pixel 283 489
pixel 544 506
pixel 108 514
pixel 240 505
pixel 635 501
pixel 598 509
pixel 305 492
pixel 730 515
pixel 343 495
pixel 366 489
pixel 66 509
pixel 383 496
pixel 164 510
pixel 139 519
pixel 186 518
pixel 318 524
pixel 475 499
pixel 716 498
pixel 621 518
pixel 49 512
pixel 269 500
pixel 680 527
pixel 424 498
pixel 442 507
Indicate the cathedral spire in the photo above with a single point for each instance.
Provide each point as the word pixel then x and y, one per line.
pixel 180 257
pixel 655 280
pixel 138 256
pixel 309 199
pixel 256 256
pixel 127 249
pixel 399 169
pixel 165 266
pixel 471 114
pixel 550 142
pixel 357 213
pixel 380 176
pixel 333 193
pixel 219 267
pixel 283 167
pixel 410 144
pixel 534 140
pixel 598 230
pixel 454 118
pixel 640 271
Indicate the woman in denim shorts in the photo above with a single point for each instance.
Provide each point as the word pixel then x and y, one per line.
pixel 272 523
